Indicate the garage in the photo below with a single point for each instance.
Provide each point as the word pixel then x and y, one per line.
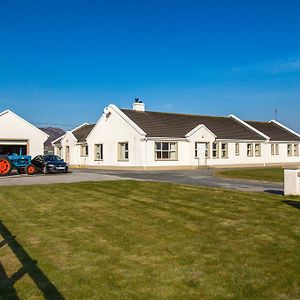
pixel 13 146
pixel 19 136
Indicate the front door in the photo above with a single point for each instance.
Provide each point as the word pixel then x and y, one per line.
pixel 200 153
pixel 67 155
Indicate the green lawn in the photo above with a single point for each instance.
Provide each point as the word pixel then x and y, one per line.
pixel 261 174
pixel 142 240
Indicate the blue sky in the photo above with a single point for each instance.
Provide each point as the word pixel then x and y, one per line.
pixel 62 62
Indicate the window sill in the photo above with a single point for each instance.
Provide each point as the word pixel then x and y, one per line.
pixel 166 160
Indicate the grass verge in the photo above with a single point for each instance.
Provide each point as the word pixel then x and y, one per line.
pixel 258 174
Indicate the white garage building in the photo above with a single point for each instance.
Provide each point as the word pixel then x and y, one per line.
pixel 17 135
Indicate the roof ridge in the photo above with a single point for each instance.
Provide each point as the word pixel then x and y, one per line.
pixel 264 122
pixel 174 113
pixel 84 126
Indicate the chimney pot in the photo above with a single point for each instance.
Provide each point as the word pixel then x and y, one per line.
pixel 138 105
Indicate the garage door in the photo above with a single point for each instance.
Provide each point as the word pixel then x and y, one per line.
pixel 13 146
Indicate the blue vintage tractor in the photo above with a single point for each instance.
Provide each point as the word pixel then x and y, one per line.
pixel 21 163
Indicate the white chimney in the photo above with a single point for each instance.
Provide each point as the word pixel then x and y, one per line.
pixel 138 105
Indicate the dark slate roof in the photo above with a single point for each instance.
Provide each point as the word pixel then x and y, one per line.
pixel 58 142
pixel 82 132
pixel 274 131
pixel 158 124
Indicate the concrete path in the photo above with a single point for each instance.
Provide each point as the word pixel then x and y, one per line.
pixel 196 177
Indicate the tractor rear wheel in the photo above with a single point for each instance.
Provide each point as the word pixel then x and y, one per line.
pixel 5 166
pixel 30 170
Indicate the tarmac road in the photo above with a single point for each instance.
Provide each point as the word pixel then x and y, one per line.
pixel 192 177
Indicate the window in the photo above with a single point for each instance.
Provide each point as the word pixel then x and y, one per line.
pixel 257 150
pixel 99 152
pixel 274 149
pixel 166 151
pixel 224 150
pixel 59 151
pixel 123 151
pixel 237 149
pixel 289 149
pixel 215 150
pixel 207 150
pixel 84 150
pixel 197 150
pixel 249 150
pixel 296 150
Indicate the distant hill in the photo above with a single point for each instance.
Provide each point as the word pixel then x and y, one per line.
pixel 53 133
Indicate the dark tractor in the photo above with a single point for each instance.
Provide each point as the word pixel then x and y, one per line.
pixel 21 163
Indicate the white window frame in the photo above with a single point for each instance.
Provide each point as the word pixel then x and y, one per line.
pixel 257 150
pixel 224 150
pixel 237 149
pixel 249 150
pixel 274 149
pixel 123 153
pixel 84 150
pixel 296 149
pixel 160 150
pixel 215 150
pixel 98 152
pixel 289 149
pixel 60 151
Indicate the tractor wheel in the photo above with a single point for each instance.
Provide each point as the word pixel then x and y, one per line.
pixel 30 170
pixel 5 166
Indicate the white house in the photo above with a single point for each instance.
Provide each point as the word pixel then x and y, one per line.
pixel 137 138
pixel 17 135
pixel 72 145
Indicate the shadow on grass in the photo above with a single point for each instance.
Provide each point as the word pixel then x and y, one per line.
pixel 29 266
pixel 295 204
pixel 275 192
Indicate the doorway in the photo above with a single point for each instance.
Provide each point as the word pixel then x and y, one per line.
pixel 201 153
pixel 67 155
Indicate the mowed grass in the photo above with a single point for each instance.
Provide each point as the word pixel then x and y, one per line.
pixel 142 240
pixel 260 174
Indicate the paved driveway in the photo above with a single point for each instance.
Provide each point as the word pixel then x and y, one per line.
pixel 193 177
pixel 55 178
pixel 196 177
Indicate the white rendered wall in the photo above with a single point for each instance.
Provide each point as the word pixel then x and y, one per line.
pixel 109 132
pixel 70 141
pixel 14 128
